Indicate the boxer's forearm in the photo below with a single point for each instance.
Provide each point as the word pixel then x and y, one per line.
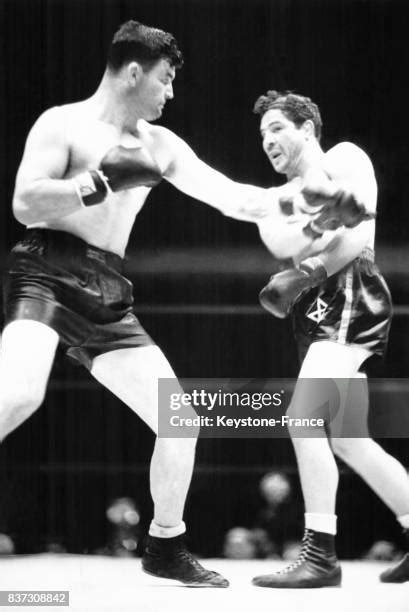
pixel 46 199
pixel 188 173
pixel 200 181
pixel 250 203
pixel 346 246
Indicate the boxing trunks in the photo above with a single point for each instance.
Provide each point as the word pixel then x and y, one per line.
pixel 351 307
pixel 76 289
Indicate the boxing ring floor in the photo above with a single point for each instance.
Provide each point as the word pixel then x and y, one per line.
pixel 111 584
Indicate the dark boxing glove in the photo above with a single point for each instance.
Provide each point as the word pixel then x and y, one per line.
pixel 285 288
pixel 121 168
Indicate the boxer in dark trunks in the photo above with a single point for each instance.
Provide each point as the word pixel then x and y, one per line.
pixel 76 289
pixel 86 172
pixel 341 311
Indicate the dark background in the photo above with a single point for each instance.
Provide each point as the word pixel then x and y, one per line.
pixel 196 273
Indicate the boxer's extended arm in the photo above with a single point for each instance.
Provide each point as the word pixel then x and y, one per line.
pixel 40 191
pixel 183 169
pixel 284 235
pixel 286 231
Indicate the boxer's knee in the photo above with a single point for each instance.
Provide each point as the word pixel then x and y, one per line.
pixel 348 449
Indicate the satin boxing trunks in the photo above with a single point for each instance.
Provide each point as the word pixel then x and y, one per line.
pixel 351 307
pixel 76 289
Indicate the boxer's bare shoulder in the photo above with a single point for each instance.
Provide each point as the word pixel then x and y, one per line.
pixel 346 156
pixel 46 151
pixel 67 139
pixel 162 143
pixel 55 121
pixel 349 164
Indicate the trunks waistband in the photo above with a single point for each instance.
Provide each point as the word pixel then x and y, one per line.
pixel 65 244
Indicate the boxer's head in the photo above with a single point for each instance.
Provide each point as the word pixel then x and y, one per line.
pixel 290 127
pixel 140 43
pixel 295 107
pixel 143 62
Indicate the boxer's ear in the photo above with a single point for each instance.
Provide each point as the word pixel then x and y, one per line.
pixel 309 129
pixel 134 73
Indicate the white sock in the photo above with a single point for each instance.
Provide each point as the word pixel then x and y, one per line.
pixel 157 531
pixel 404 520
pixel 326 523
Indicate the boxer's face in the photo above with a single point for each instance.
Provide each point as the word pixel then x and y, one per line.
pixel 283 142
pixel 155 89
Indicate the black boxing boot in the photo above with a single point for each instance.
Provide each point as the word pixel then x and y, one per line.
pixel 169 558
pixel 317 566
pixel 400 572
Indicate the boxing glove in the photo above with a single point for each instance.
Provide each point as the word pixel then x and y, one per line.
pixel 121 168
pixel 285 288
pixel 341 209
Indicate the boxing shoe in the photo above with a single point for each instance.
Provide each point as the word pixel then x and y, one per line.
pixel 317 566
pixel 169 558
pixel 399 572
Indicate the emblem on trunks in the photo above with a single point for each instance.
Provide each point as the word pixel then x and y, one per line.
pixel 319 314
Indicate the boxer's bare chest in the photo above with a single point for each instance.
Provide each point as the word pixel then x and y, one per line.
pixel 109 224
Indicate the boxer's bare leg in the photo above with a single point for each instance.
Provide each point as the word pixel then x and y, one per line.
pixel 317 565
pixel 316 464
pixel 27 354
pixel 132 375
pixel 382 472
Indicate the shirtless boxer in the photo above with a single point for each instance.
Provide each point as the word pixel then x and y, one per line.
pixel 341 311
pixel 86 171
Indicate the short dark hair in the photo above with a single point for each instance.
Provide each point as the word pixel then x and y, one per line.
pixel 135 41
pixel 295 107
